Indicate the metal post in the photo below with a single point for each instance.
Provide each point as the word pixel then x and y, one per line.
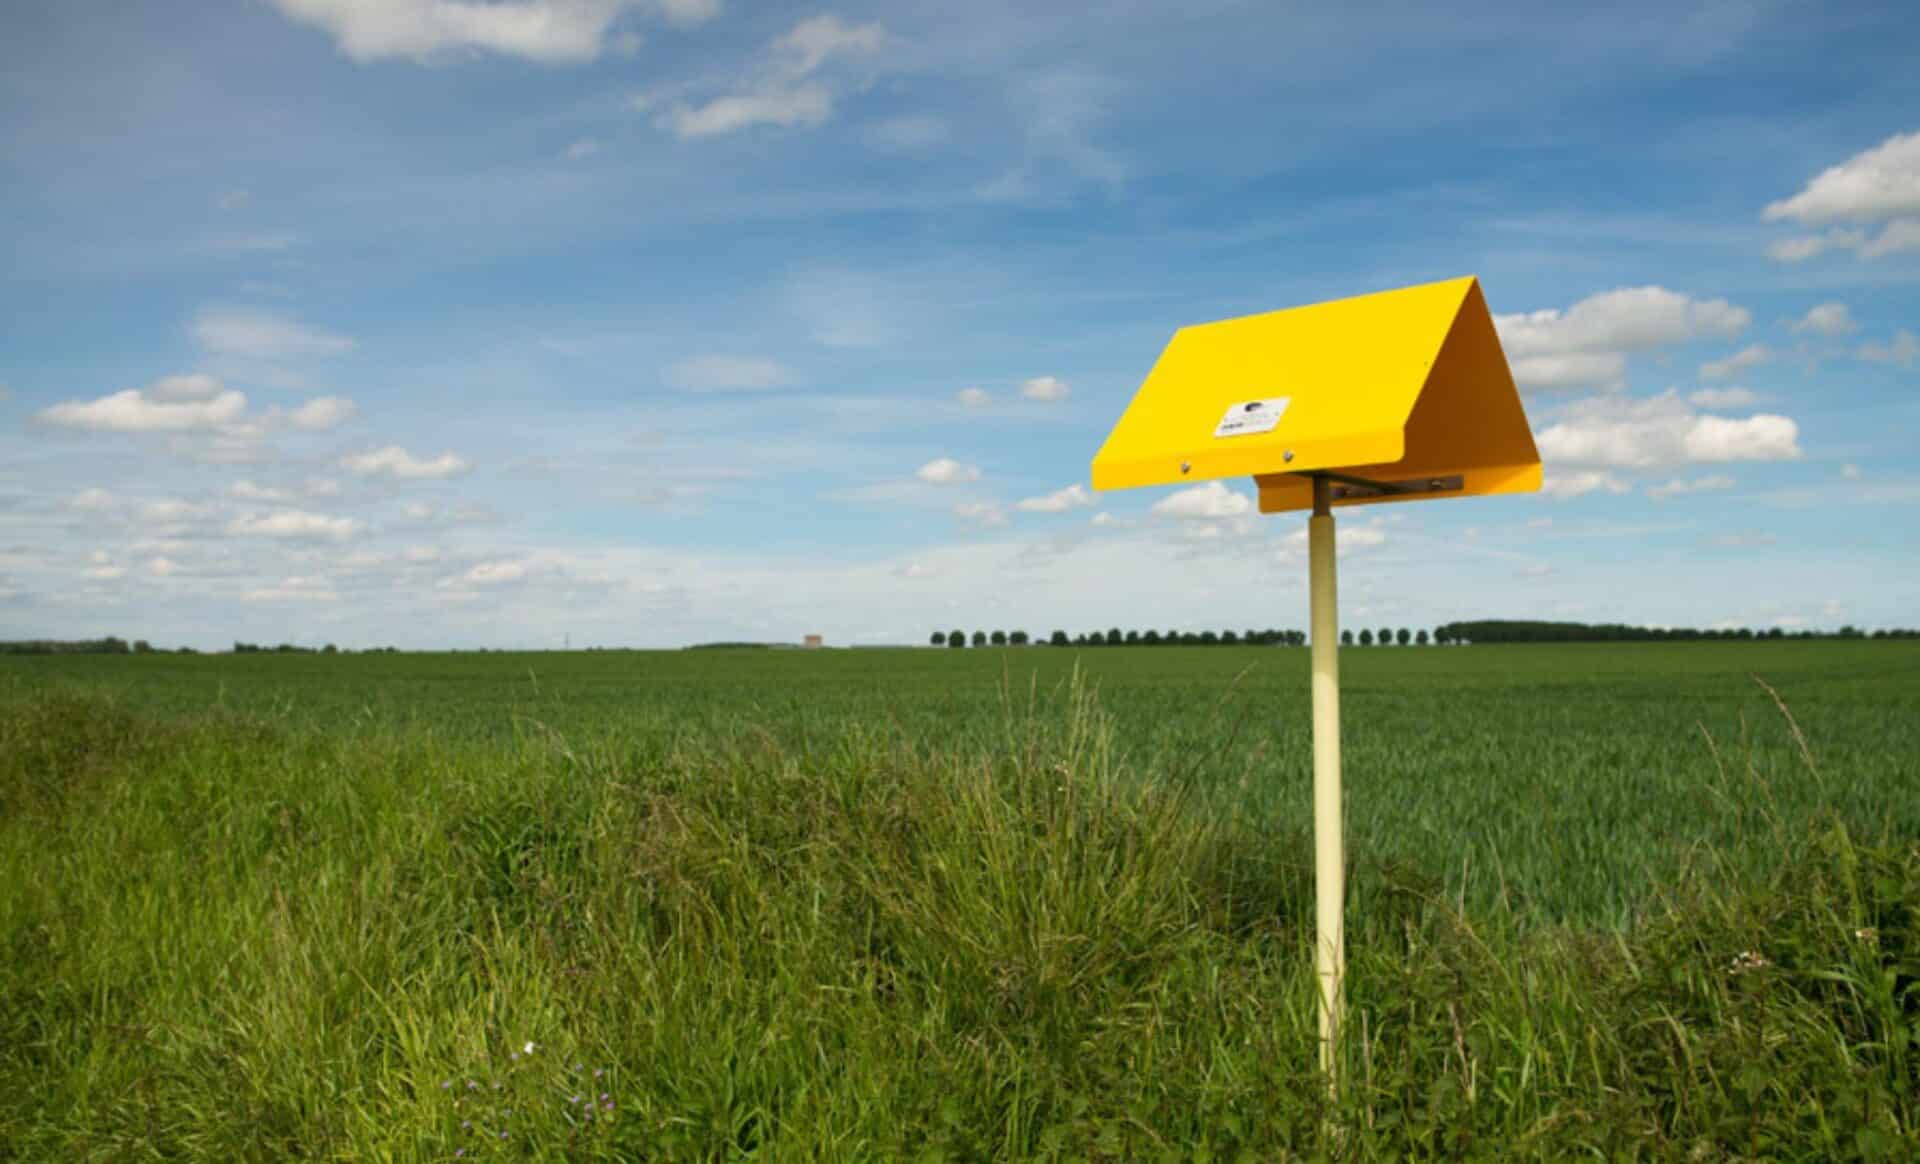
pixel 1329 819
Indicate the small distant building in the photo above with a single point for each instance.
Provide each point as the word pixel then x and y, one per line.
pixel 813 641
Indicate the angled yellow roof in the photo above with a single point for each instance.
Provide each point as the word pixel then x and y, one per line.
pixel 1407 388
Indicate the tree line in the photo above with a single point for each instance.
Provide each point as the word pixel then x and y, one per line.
pixel 1115 637
pixel 1513 631
pixel 1447 634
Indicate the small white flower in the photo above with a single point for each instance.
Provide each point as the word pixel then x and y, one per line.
pixel 528 1049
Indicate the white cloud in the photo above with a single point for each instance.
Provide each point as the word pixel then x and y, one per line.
pixel 495 573
pixel 1904 350
pixel 1681 486
pixel 947 471
pixel 1586 345
pixel 147 410
pixel 248 491
pixel 1204 502
pixel 788 90
pixel 93 501
pixel 724 373
pixel 181 389
pixel 548 31
pixel 1747 357
pixel 1877 184
pixel 1566 486
pixel 1827 319
pixel 323 412
pixel 394 461
pixel 1045 388
pixel 171 511
pixel 1661 431
pixel 980 512
pixel 586 147
pixel 293 590
pixel 1059 501
pixel 803 105
pixel 1895 237
pixel 293 523
pixel 1850 472
pixel 1723 398
pixel 233 199
pixel 162 566
pixel 263 335
pixel 974 397
pixel 322 487
pixel 1880 185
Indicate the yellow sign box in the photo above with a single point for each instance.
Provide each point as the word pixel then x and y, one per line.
pixel 1394 396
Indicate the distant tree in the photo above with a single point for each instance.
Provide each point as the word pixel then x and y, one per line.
pixel 1776 633
pixel 1403 636
pixel 1346 638
pixel 1017 638
pixel 1366 638
pixel 1385 637
pixel 1420 639
pixel 329 649
pixel 1443 635
pixel 956 638
pixel 979 638
pixel 142 647
pixel 1228 638
pixel 1151 638
pixel 939 639
pixel 998 638
pixel 1133 638
pixel 1058 638
pixel 1208 638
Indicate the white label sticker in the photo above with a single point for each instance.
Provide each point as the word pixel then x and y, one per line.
pixel 1252 416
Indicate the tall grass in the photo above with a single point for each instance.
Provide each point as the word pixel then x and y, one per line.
pixel 233 937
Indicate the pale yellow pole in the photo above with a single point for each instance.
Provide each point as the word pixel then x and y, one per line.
pixel 1329 818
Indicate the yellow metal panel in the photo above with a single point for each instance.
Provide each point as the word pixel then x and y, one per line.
pixel 1392 386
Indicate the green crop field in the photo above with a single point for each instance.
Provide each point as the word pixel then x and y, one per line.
pixel 1618 901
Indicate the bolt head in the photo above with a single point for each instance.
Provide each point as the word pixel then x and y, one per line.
pixel 1186 466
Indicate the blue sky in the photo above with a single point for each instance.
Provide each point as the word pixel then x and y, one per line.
pixel 643 322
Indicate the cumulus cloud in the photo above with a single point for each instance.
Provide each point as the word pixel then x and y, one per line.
pixel 547 31
pixel 396 462
pixel 974 397
pixel 806 105
pixel 1876 186
pixel 1059 501
pixel 1566 486
pixel 1210 501
pixel 293 590
pixel 323 412
pixel 1747 357
pixel 1903 350
pixel 93 501
pixel 293 524
pixel 1586 345
pixel 1680 486
pixel 174 404
pixel 263 335
pixel 980 513
pixel 1045 388
pixel 726 373
pixel 1720 398
pixel 1610 432
pixel 495 573
pixel 248 491
pixel 789 89
pixel 1826 319
pixel 947 471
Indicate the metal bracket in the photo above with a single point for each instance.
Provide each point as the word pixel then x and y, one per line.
pixel 1349 488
